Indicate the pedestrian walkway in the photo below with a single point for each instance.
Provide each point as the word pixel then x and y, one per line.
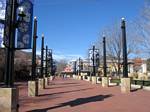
pixel 69 95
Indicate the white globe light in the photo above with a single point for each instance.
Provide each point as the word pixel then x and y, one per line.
pixel 21 9
pixel 35 17
pixel 122 18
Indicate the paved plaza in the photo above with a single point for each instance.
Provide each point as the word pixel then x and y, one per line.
pixel 69 95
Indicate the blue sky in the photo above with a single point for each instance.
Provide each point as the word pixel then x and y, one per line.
pixel 72 26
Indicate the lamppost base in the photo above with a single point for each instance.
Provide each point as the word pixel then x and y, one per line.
pixel 51 78
pixel 76 77
pixel 125 85
pixel 84 77
pixel 40 83
pixel 94 79
pixel 105 82
pixel 9 99
pixel 48 80
pixel 45 82
pixel 33 88
pixel 73 76
pixel 79 77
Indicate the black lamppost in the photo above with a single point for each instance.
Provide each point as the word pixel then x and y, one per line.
pixel 10 47
pixel 104 58
pixel 93 60
pixel 49 59
pixel 75 69
pixel 33 73
pixel 79 71
pixel 94 57
pixel 42 56
pixel 94 53
pixel 51 62
pixel 124 46
pixel 46 64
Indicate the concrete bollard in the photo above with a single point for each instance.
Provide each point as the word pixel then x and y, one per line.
pixel 125 85
pixel 40 83
pixel 105 82
pixel 9 99
pixel 94 79
pixel 33 88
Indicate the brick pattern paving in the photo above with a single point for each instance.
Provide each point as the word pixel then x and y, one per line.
pixel 69 95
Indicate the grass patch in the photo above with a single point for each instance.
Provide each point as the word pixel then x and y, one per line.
pixel 115 81
pixel 136 82
pixel 141 82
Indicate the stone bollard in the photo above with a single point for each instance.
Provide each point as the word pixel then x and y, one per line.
pixel 76 77
pixel 51 78
pixel 79 77
pixel 94 80
pixel 9 99
pixel 125 85
pixel 33 88
pixel 45 82
pixel 84 77
pixel 40 83
pixel 48 80
pixel 105 82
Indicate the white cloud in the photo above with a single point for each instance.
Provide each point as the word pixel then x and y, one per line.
pixel 38 52
pixel 60 56
pixel 67 57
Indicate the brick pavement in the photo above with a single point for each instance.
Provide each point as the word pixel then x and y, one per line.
pixel 68 95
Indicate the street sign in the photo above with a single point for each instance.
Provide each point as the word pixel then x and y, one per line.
pixel 91 52
pixel 24 35
pixel 2 18
pixel 7 23
pixel 1 35
pixel 2 9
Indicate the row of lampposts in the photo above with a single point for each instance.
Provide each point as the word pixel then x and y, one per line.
pixel 48 62
pixel 9 41
pixel 95 58
pixel 46 56
pixel 94 63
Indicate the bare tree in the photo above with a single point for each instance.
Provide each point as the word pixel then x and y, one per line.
pixel 142 26
pixel 114 44
pixel 61 65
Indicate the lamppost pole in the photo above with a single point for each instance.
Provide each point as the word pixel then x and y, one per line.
pixel 51 62
pixel 9 72
pixel 46 62
pixel 104 57
pixel 42 55
pixel 79 65
pixel 93 61
pixel 33 74
pixel 75 69
pixel 124 46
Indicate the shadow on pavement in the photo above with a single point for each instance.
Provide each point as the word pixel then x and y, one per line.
pixel 134 90
pixel 64 83
pixel 76 102
pixel 29 101
pixel 64 86
pixel 66 92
